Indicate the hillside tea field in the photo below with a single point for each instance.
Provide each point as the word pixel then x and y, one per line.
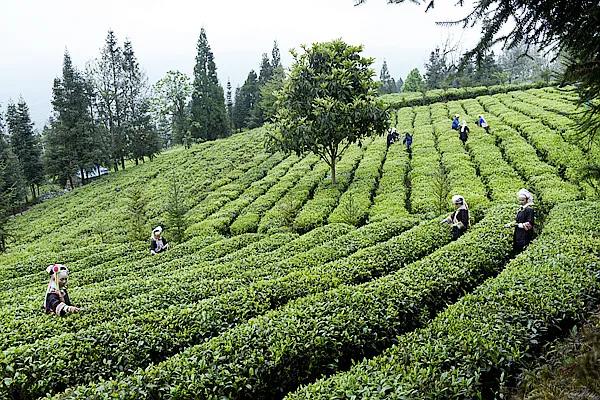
pixel 286 286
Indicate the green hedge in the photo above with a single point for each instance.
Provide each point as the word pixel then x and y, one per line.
pixel 107 348
pixel 326 195
pixel 354 204
pixel 317 335
pixel 282 215
pixel 249 219
pixel 473 349
pixel 390 197
pixel 362 266
pixel 411 99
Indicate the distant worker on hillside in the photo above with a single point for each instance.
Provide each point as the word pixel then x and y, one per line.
pixel 459 219
pixel 407 141
pixel 392 136
pixel 455 122
pixel 57 300
pixel 483 123
pixel 524 221
pixel 158 243
pixel 463 133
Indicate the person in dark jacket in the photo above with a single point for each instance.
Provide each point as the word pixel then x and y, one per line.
pixel 459 219
pixel 524 221
pixel 455 122
pixel 407 141
pixel 463 132
pixel 392 137
pixel 57 300
pixel 157 242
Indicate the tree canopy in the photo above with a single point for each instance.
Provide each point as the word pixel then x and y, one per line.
pixel 328 102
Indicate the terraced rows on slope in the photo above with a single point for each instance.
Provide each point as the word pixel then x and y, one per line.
pixel 283 278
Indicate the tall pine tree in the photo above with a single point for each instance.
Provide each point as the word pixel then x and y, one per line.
pixel 72 143
pixel 436 70
pixel 245 102
pixel 25 144
pixel 208 115
pixel 388 85
pixel 107 76
pixel 141 137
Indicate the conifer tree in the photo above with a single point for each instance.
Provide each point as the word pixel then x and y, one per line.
pixel 246 102
pixel 436 70
pixel 275 56
pixel 13 189
pixel 208 114
pixel 25 144
pixel 106 74
pixel 388 85
pixel 72 143
pixel 141 137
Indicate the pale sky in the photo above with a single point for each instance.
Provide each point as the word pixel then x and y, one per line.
pixel 35 33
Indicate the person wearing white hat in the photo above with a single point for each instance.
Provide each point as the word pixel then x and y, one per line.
pixel 459 219
pixel 524 221
pixel 463 133
pixel 392 136
pixel 483 123
pixel 157 242
pixel 57 300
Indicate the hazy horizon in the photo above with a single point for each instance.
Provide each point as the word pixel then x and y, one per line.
pixel 164 35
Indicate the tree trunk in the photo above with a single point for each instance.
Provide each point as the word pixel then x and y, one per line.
pixel 71 182
pixel 333 180
pixel 122 162
pixel 116 166
pixel 136 161
pixel 82 172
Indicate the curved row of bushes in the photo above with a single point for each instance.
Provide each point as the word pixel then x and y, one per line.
pixel 473 349
pixel 425 164
pixel 411 99
pixel 541 177
pixel 249 219
pixel 565 156
pixel 319 334
pixel 462 176
pixel 214 316
pixel 73 223
pixel 355 202
pixel 326 196
pixel 109 347
pixel 24 321
pixel 501 179
pixel 282 215
pixel 206 218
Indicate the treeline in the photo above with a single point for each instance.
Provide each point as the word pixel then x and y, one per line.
pixel 518 65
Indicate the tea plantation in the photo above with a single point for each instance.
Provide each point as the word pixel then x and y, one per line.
pixel 286 286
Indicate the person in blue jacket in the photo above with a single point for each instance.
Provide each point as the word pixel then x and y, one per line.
pixel 455 122
pixel 483 123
